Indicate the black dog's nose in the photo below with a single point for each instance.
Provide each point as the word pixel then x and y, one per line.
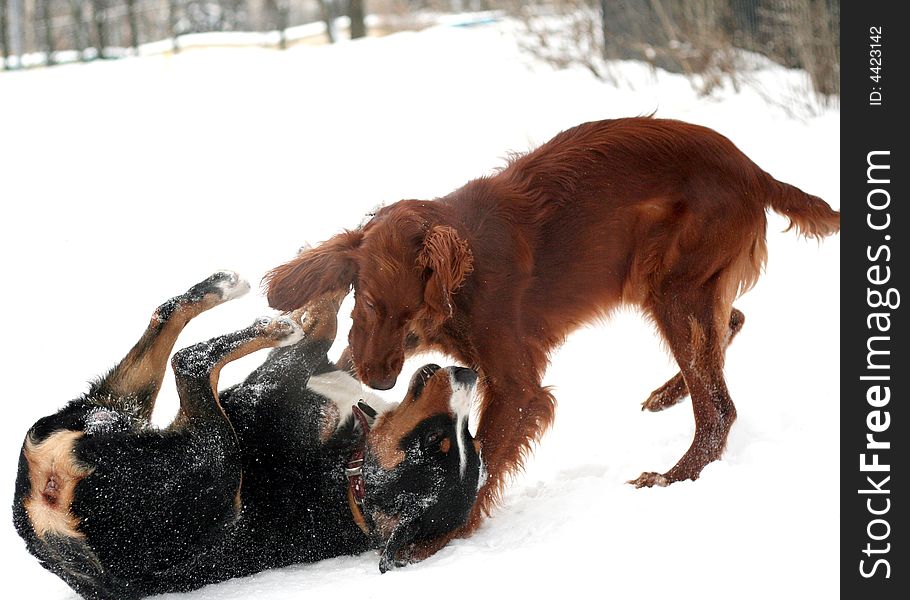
pixel 467 377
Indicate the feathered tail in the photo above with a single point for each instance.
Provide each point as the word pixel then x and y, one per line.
pixel 810 215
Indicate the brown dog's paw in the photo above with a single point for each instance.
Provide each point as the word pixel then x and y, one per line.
pixel 658 401
pixel 650 480
pixel 669 394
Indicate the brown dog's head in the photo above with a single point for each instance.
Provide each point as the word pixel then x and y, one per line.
pixel 404 269
pixel 422 468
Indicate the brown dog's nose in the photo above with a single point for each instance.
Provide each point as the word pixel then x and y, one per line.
pixel 383 384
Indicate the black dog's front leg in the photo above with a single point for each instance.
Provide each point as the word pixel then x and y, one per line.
pixel 402 536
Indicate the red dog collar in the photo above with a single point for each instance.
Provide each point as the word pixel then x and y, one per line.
pixel 364 415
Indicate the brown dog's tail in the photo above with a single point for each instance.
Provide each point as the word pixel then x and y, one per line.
pixel 810 215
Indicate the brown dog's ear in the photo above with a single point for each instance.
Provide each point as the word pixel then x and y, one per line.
pixel 329 267
pixel 449 260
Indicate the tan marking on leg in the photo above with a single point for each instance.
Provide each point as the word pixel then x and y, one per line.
pixel 329 420
pixel 53 474
pixel 385 524
pixel 146 362
pixel 238 500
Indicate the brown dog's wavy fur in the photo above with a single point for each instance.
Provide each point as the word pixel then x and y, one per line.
pixel 449 261
pixel 664 215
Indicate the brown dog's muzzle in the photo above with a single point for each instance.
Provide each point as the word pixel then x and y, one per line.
pixel 385 376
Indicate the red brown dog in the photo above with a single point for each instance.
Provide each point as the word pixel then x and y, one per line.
pixel 664 215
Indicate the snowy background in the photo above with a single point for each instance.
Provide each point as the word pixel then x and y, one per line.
pixel 123 183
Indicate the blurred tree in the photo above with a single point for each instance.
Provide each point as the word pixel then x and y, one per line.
pixel 356 12
pixel 133 22
pixel 4 34
pixel 284 17
pixel 99 19
pixel 80 35
pixel 328 15
pixel 172 23
pixel 48 30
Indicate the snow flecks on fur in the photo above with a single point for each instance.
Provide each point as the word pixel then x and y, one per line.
pixel 600 439
pixel 102 420
pixel 232 286
pixel 368 216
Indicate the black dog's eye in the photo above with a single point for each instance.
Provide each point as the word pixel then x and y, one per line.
pixel 433 438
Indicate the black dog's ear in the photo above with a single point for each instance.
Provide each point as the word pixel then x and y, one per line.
pixel 449 261
pixel 329 267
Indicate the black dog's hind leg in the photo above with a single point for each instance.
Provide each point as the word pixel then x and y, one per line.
pixel 133 384
pixel 197 370
pixel 297 362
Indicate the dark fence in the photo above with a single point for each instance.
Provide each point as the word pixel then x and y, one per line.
pixel 696 37
pixel 44 31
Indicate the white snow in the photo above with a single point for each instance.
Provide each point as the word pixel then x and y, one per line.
pixel 125 182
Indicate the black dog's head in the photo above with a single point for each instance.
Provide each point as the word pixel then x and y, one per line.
pixel 422 467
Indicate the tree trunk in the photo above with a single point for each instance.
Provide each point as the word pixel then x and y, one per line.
pixel 133 20
pixel 48 31
pixel 4 35
pixel 283 8
pixel 99 18
pixel 172 23
pixel 356 12
pixel 79 33
pixel 328 15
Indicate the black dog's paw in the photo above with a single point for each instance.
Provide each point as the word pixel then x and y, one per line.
pixel 396 560
pixel 226 285
pixel 283 330
pixel 387 563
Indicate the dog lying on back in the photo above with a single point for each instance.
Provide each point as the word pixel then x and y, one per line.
pixel 279 469
pixel 662 215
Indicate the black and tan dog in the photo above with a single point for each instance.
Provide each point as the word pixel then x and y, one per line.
pixel 276 470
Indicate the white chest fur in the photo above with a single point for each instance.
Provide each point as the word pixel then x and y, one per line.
pixel 343 390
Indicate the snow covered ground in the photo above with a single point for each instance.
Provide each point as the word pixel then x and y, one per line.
pixel 124 182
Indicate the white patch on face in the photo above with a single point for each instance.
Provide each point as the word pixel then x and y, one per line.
pixel 460 403
pixel 342 389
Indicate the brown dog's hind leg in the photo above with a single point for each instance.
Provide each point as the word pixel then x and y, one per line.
pixel 694 330
pixel 133 384
pixel 675 391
